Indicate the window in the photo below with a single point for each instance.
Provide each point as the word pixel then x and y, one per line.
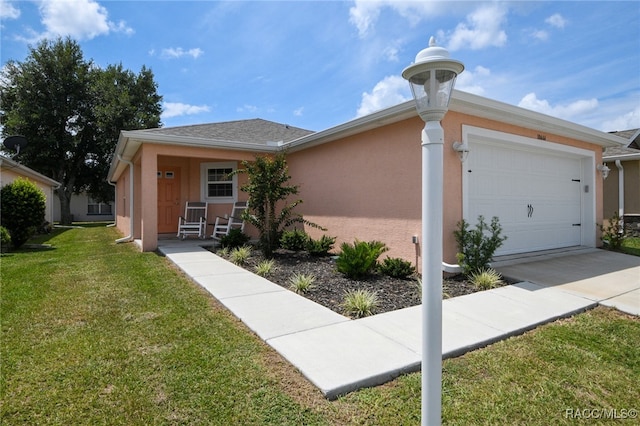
pixel 94 207
pixel 217 184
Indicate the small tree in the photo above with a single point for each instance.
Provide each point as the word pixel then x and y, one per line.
pixel 477 246
pixel 269 189
pixel 22 206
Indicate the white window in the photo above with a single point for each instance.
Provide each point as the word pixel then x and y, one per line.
pixel 94 207
pixel 218 183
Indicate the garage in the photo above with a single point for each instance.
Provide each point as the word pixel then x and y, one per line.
pixel 540 191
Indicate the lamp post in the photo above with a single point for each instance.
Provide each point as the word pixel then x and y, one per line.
pixel 432 77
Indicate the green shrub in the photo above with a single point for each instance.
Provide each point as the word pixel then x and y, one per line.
pixel 396 267
pixel 477 246
pixel 235 238
pixel 5 239
pixel 301 283
pixel 23 206
pixel 360 259
pixel 294 240
pixel 360 303
pixel 240 255
pixel 486 279
pixel 223 252
pixel 320 247
pixel 265 267
pixel 613 234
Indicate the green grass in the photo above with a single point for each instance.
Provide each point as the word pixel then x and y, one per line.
pixel 631 246
pixel 98 333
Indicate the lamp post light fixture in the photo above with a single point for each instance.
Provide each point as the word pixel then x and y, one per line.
pixel 432 77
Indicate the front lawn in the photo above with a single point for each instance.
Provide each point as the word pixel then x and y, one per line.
pixel 98 333
pixel 631 246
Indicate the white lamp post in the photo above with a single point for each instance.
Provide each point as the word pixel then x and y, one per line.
pixel 432 77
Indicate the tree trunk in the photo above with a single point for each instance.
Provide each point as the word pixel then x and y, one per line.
pixel 65 207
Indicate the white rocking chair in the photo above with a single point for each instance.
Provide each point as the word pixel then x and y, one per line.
pixel 194 221
pixel 224 225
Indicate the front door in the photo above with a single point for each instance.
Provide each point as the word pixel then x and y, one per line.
pixel 168 199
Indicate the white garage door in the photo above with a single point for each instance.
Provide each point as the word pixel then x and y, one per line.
pixel 536 194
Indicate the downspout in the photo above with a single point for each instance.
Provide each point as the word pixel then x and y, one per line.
pixel 451 269
pixel 620 188
pixel 129 237
pixel 115 205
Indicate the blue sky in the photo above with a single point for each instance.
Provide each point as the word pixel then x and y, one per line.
pixel 316 64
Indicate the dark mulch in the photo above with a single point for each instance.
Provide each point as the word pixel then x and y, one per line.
pixel 330 285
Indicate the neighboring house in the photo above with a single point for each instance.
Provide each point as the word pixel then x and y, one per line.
pixel 10 170
pixel 361 179
pixel 85 209
pixel 622 186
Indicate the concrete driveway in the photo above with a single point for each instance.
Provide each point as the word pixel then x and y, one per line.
pixel 612 279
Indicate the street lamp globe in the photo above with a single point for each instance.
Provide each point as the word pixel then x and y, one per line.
pixel 432 77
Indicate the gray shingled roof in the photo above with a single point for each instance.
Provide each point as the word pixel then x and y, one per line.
pixel 632 148
pixel 256 131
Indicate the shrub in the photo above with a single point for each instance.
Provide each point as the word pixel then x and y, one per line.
pixel 235 238
pixel 5 239
pixel 23 207
pixel 486 279
pixel 265 267
pixel 613 233
pixel 223 252
pixel 240 255
pixel 396 267
pixel 360 259
pixel 360 303
pixel 301 283
pixel 295 240
pixel 270 210
pixel 477 246
pixel 320 247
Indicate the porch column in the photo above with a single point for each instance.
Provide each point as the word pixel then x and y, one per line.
pixel 149 198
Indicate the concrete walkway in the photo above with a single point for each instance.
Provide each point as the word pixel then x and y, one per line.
pixel 339 355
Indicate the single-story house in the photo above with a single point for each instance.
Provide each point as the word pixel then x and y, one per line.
pixel 361 179
pixel 622 187
pixel 10 170
pixel 85 209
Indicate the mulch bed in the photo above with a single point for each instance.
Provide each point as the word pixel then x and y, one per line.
pixel 330 285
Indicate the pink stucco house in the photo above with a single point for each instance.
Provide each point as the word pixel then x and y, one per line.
pixel 361 179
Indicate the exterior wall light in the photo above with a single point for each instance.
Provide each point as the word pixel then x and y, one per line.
pixel 604 170
pixel 462 148
pixel 432 77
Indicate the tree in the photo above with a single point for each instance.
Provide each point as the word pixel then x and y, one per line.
pixel 23 205
pixel 268 190
pixel 71 112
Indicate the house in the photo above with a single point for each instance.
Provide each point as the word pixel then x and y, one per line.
pixel 10 170
pixel 361 179
pixel 85 209
pixel 622 187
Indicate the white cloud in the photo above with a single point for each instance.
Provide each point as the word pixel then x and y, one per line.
pixel 298 112
pixel 392 90
pixel 482 29
pixel 177 109
pixel 556 20
pixel 630 120
pixel 568 112
pixel 541 35
pixel 247 108
pixel 8 11
pixel 473 81
pixel 80 19
pixel 365 13
pixel 178 52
